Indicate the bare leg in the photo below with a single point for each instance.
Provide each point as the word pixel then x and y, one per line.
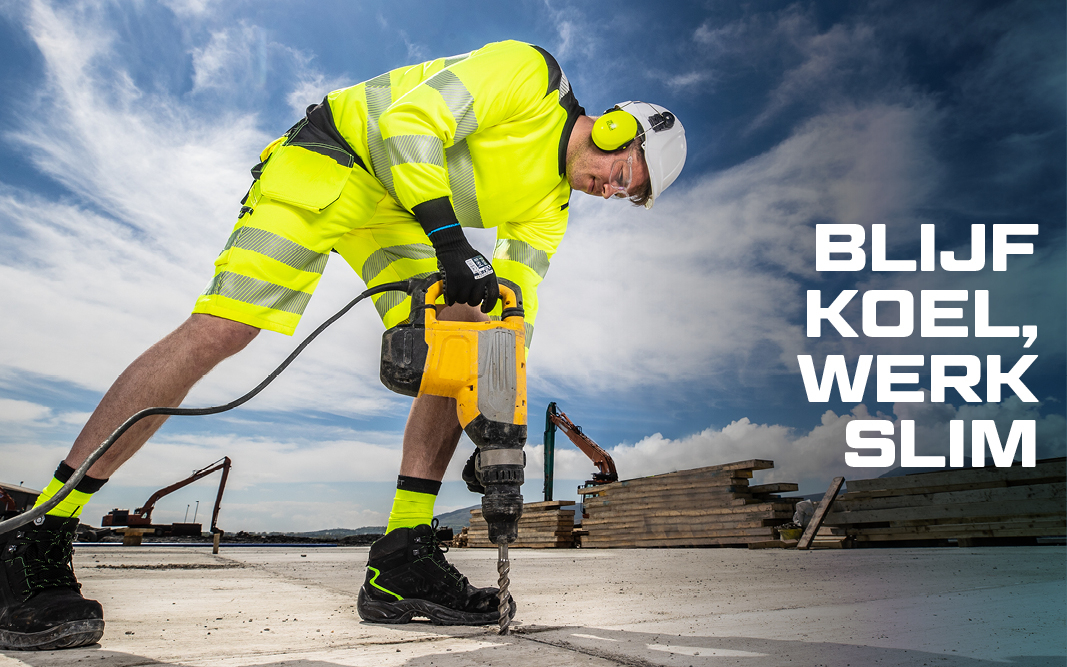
pixel 162 376
pixel 433 430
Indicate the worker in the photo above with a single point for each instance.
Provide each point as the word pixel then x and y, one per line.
pixel 386 173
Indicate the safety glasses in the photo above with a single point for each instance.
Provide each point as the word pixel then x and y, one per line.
pixel 622 173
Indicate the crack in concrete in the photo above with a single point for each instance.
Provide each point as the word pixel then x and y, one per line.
pixel 603 655
pixel 174 566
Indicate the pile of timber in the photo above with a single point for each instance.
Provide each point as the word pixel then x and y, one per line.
pixel 700 507
pixel 973 506
pixel 542 525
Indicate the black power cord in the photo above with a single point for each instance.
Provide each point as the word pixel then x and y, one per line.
pixel 41 510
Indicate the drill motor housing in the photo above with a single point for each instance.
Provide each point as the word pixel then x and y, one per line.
pixel 482 365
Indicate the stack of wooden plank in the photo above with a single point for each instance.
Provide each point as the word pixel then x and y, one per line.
pixel 970 505
pixel 700 507
pixel 827 539
pixel 542 525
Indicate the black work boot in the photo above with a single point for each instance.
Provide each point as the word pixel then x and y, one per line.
pixel 41 606
pixel 408 576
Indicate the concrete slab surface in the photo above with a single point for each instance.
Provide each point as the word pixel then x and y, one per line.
pixel 295 606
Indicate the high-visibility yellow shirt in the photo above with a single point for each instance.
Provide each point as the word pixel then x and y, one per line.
pixel 487 129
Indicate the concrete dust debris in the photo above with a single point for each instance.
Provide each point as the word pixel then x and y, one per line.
pixel 897 607
pixel 173 566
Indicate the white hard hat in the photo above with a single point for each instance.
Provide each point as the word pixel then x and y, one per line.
pixel 664 144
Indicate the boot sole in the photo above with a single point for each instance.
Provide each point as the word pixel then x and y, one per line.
pixel 66 635
pixel 402 611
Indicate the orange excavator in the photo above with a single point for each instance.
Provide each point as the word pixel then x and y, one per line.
pixel 601 459
pixel 142 516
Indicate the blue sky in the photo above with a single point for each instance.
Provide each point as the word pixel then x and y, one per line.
pixel 671 335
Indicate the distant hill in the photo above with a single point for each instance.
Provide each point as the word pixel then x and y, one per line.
pixel 454 520
pixel 457 519
pixel 462 518
pixel 338 533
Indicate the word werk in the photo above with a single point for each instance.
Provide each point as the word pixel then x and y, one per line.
pixel 933 318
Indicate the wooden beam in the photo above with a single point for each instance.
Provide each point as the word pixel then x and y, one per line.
pixel 1044 469
pixel 777 487
pixel 820 513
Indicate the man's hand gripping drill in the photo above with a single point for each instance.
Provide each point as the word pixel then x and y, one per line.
pixel 483 366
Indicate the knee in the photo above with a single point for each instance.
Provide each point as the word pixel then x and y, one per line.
pixel 220 337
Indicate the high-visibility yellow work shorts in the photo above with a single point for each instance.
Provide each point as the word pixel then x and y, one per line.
pixel 304 205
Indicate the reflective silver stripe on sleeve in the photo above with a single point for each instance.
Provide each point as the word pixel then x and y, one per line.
pixel 280 248
pixel 379 97
pixel 387 301
pixel 415 149
pixel 564 85
pixel 461 181
pixel 459 100
pixel 258 292
pixel 229 241
pixel 523 253
pixel 452 60
pixel 380 259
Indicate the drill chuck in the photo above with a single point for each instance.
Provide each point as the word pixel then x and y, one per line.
pixel 499 469
pixel 501 508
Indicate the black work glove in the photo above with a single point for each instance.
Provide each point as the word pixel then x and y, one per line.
pixel 468 275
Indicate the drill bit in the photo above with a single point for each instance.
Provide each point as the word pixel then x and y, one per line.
pixel 503 567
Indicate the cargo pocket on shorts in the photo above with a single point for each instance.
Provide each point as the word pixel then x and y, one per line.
pixel 302 177
pixel 310 165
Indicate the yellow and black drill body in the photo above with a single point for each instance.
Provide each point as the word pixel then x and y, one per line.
pixel 482 365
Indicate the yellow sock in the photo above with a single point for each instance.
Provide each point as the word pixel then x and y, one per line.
pixel 71 506
pixel 413 502
pixel 74 503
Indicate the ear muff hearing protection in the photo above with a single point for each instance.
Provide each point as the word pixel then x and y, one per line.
pixel 614 129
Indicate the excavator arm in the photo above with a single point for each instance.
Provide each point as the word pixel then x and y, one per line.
pixel 7 500
pixel 600 458
pixel 145 512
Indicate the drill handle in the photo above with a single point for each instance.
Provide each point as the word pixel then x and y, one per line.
pixel 418 289
pixel 510 297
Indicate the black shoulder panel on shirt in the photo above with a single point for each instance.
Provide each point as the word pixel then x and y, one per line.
pixel 566 100
pixel 555 74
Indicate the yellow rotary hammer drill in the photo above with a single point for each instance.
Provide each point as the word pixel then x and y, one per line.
pixel 482 365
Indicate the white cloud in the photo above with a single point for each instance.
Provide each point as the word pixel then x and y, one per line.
pixel 189 8
pixel 690 79
pixel 12 410
pixel 709 279
pixel 227 60
pixel 416 52
pixel 816 68
pixel 809 457
pixel 29 462
pixel 348 457
pixel 565 22
pixel 311 88
pixel 169 181
pixel 830 63
pixel 291 515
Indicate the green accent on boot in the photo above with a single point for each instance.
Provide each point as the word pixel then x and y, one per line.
pixel 372 583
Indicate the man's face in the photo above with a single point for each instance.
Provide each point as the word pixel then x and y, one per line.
pixel 590 170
